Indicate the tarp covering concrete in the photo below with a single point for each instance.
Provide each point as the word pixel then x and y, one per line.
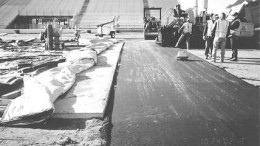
pixel 40 92
pixel 89 96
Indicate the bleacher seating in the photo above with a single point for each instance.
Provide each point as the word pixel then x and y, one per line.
pixel 52 8
pixel 131 12
pixel 101 11
pixel 9 9
pixel 92 14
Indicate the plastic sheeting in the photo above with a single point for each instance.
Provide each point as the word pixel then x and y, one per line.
pixel 9 83
pixel 40 92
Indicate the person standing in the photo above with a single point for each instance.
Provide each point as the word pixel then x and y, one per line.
pixel 186 29
pixel 208 37
pixel 220 32
pixel 178 12
pixel 234 25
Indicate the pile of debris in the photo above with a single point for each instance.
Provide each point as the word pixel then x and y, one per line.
pixel 32 44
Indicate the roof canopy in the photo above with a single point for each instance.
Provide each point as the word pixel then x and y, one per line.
pixel 239 2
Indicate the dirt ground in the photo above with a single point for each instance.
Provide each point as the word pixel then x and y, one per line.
pixel 56 132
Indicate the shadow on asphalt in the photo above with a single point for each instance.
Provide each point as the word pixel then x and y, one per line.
pixel 110 104
pixel 193 60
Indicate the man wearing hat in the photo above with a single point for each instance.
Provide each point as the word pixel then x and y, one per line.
pixel 234 25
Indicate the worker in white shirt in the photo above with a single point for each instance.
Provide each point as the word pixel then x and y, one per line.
pixel 220 32
pixel 186 30
pixel 208 37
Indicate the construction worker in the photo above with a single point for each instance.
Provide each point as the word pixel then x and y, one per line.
pixel 220 32
pixel 186 30
pixel 208 37
pixel 234 25
pixel 151 23
pixel 178 12
pixel 77 34
pixel 57 32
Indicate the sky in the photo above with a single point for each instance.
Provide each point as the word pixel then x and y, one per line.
pixel 214 6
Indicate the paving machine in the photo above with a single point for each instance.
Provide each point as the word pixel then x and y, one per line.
pixel 152 24
pixel 103 29
pixel 168 34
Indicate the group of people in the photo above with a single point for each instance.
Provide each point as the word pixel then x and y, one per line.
pixel 216 33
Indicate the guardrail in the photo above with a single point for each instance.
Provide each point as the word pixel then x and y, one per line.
pixel 46 13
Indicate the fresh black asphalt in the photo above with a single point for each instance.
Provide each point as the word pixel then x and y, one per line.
pixel 162 101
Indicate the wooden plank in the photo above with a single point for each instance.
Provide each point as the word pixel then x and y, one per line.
pixel 12 95
pixel 2 109
pixel 89 96
pixel 4 102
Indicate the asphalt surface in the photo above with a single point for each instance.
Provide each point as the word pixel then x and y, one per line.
pixel 162 101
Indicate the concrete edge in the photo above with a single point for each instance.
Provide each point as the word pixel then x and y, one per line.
pixel 218 66
pixel 76 116
pixel 92 115
pixel 113 78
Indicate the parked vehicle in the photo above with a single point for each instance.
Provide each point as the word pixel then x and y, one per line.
pixel 152 24
pixel 105 29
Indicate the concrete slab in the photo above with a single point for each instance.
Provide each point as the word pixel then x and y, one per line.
pixel 89 96
pixel 246 68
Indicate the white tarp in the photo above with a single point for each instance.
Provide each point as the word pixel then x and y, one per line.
pixel 40 92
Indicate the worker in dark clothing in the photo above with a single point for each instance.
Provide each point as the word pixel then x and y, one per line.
pixel 208 37
pixel 151 23
pixel 178 12
pixel 234 25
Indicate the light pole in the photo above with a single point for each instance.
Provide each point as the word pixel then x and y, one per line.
pixel 206 10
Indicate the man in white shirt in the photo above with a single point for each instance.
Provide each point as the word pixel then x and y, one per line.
pixel 220 32
pixel 186 29
pixel 208 37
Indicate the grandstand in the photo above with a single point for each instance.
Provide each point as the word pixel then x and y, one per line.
pixel 9 10
pixel 52 8
pixel 100 11
pixel 89 13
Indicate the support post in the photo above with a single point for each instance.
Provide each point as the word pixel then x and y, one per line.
pixel 49 41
